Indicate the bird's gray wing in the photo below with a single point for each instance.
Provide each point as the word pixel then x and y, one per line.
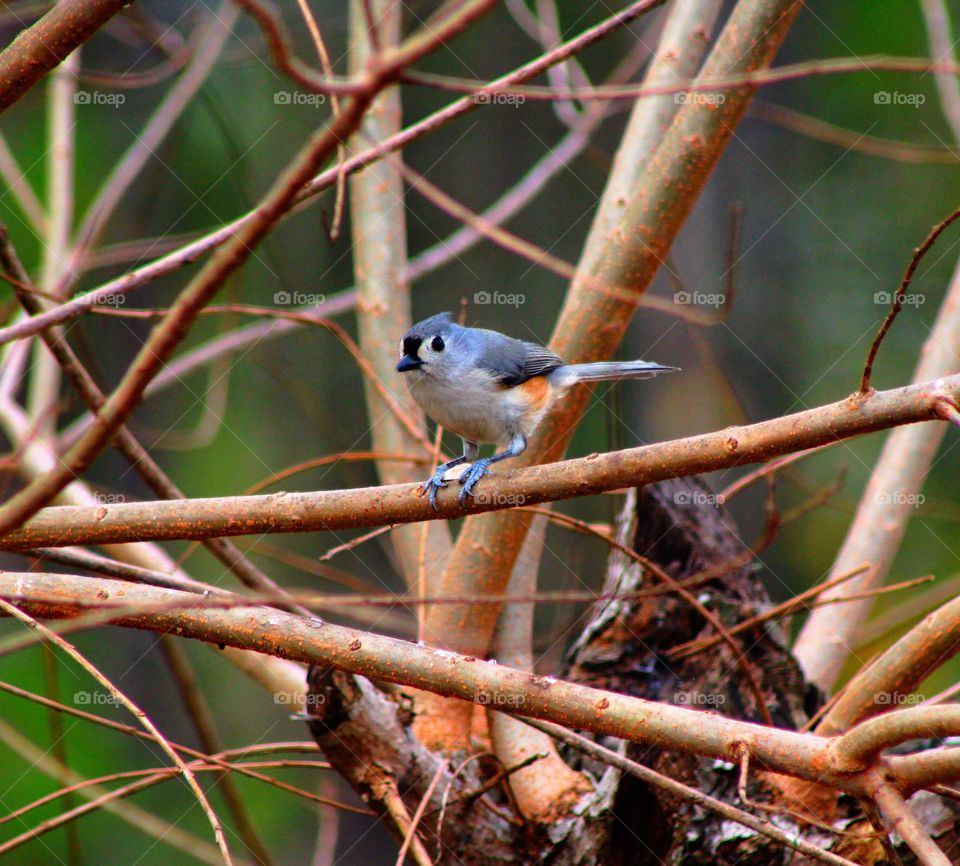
pixel 512 362
pixel 538 360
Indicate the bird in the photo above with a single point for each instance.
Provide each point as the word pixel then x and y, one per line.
pixel 490 388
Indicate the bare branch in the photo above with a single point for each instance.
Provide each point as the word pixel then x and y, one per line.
pixel 213 37
pixel 900 297
pixel 898 670
pixel 849 139
pixel 897 814
pixel 145 822
pixel 167 335
pixel 848 763
pixel 46 44
pixel 331 510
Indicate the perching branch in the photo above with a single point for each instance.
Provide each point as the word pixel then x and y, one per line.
pixel 584 476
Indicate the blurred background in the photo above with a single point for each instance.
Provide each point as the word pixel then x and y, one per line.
pixel 825 233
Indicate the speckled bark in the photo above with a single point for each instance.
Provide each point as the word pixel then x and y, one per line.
pixel 40 48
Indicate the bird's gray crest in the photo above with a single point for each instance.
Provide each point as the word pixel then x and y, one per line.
pixel 440 324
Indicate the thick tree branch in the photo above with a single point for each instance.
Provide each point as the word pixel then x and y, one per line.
pixel 379 231
pixel 849 763
pixel 647 200
pixel 40 48
pixel 377 506
pixel 881 686
pixel 54 596
pixel 900 819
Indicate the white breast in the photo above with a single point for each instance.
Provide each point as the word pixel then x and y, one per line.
pixel 473 407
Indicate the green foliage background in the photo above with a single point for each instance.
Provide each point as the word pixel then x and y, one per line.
pixel 824 230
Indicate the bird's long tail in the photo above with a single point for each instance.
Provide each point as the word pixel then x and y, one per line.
pixel 606 371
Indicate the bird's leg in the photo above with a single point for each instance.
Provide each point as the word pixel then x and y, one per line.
pixel 518 444
pixel 431 486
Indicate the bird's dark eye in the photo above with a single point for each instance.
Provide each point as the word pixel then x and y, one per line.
pixel 437 344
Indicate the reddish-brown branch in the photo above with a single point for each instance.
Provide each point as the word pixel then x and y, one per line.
pixel 331 510
pixel 718 84
pixel 45 45
pixel 47 634
pixel 137 456
pixel 847 762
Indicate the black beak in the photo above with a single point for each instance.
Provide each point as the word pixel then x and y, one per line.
pixel 408 363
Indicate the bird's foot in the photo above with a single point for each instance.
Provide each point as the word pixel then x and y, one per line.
pixel 471 477
pixel 433 484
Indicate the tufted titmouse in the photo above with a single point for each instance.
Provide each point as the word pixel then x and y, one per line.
pixel 490 388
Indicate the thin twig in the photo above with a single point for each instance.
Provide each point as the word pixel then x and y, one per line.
pixel 365 365
pixel 785 608
pixel 669 580
pixel 213 35
pixel 410 835
pixel 139 819
pixel 219 761
pixel 394 806
pixel 752 79
pixel 138 457
pixel 167 335
pixel 901 296
pixel 340 194
pixel 849 139
pixel 353 543
pixel 200 716
pixel 345 457
pixel 140 715
pixel 541 257
pixel 20 188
